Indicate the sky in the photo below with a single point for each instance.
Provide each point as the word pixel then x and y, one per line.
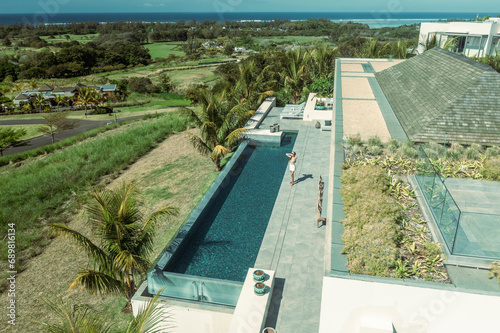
pixel 99 6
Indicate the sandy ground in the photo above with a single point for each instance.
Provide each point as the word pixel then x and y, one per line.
pixel 352 67
pixel 46 274
pixel 354 87
pixel 364 117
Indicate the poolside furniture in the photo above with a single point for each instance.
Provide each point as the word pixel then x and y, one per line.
pixel 292 111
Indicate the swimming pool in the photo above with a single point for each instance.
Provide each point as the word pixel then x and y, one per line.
pixel 224 240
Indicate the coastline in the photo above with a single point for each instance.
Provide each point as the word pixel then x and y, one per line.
pixel 374 19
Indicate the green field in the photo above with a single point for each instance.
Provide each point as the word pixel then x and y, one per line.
pixel 163 50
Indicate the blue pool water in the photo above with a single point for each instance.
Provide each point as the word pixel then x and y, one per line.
pixel 227 241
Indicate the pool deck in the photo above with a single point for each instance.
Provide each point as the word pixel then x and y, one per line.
pixel 293 245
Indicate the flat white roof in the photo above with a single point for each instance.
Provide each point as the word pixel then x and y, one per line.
pixel 360 306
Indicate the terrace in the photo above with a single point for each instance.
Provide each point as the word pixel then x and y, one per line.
pixel 311 289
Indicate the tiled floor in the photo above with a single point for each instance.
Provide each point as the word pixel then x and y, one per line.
pixel 293 244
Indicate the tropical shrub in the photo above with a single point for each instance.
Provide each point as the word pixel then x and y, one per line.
pixel 491 170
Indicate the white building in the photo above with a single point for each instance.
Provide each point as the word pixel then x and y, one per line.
pixel 472 38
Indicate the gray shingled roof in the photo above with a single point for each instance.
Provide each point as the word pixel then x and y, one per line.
pixel 439 92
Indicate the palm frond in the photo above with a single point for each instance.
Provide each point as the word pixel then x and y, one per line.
pixel 92 250
pixel 199 144
pixel 125 261
pixel 218 152
pixel 73 318
pixel 235 135
pixel 191 114
pixel 95 282
pixel 152 318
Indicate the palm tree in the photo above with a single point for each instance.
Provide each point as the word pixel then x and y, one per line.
pixel 221 123
pixel 60 100
pixel 374 49
pixel 251 87
pixel 40 101
pixel 33 83
pixel 19 87
pixel 74 318
pixel 323 60
pixel 85 97
pixel 71 318
pixel 296 74
pixel 400 49
pixel 125 241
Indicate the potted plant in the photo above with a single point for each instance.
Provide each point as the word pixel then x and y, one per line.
pixel 259 288
pixel 320 104
pixel 259 275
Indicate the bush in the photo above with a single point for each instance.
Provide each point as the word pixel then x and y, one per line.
pixel 491 170
pixel 408 152
pixel 375 150
pixel 493 151
pixel 142 85
pixel 374 141
pixel 354 140
pixel 393 146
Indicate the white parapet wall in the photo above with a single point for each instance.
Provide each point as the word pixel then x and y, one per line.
pixel 262 136
pixel 310 112
pixel 251 310
pixel 261 113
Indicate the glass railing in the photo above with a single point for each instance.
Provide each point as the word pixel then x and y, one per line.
pixel 194 288
pixel 443 206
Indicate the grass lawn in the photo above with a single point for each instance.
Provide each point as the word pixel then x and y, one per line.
pixel 182 79
pixel 31 130
pixel 165 176
pixel 163 50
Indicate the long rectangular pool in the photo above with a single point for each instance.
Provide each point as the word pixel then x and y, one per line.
pixel 227 243
pixel 223 241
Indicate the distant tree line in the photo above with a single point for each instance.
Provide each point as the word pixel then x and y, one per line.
pixel 182 30
pixel 105 53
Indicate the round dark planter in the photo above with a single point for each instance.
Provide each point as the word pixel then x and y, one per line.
pixel 259 275
pixel 259 288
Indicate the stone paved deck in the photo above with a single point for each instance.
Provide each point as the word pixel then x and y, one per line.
pixel 293 245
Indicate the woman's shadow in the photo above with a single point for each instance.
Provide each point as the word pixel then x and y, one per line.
pixel 304 177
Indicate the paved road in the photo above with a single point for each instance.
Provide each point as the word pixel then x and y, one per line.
pixel 43 140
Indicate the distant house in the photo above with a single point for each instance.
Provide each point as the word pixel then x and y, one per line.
pixel 51 92
pixel 471 38
pixel 22 98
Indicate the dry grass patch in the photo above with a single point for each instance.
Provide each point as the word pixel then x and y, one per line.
pixel 171 174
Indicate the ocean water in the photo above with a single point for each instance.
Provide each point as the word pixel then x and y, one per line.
pixel 375 19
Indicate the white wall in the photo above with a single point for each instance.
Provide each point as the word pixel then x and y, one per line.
pixel 489 28
pixel 362 306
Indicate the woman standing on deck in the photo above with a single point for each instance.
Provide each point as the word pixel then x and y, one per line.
pixel 293 159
